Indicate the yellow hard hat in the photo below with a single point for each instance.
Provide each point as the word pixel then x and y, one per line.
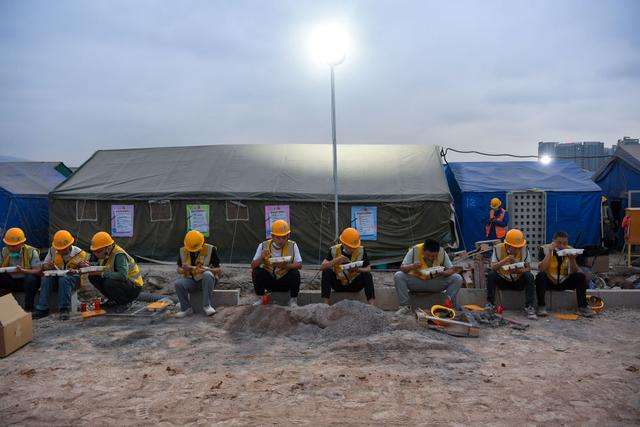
pixel 350 237
pixel 495 203
pixel 100 240
pixel 442 312
pixel 62 240
pixel 596 303
pixel 14 236
pixel 515 238
pixel 194 241
pixel 280 228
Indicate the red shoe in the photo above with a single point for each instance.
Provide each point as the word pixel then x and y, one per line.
pixel 448 303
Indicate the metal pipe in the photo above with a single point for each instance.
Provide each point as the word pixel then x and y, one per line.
pixel 335 151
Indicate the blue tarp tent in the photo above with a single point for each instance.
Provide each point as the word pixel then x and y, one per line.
pixel 24 192
pixel 573 200
pixel 620 175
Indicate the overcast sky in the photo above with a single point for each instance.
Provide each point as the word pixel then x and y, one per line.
pixel 78 76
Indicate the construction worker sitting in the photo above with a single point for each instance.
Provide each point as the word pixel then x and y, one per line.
pixel 496 227
pixel 281 275
pixel 512 251
pixel 121 281
pixel 199 265
pixel 26 261
pixel 560 273
pixel 62 255
pixel 412 275
pixel 349 250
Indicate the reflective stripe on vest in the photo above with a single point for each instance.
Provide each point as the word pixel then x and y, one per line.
pixel 501 253
pixel 500 231
pixel 203 260
pixel 346 277
pixel 134 271
pixel 26 254
pixel 557 271
pixel 418 256
pixel 75 256
pixel 286 251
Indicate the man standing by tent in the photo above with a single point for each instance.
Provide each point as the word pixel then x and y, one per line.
pixel 349 250
pixel 496 227
pixel 512 251
pixel 121 281
pixel 412 274
pixel 281 275
pixel 560 273
pixel 199 265
pixel 62 255
pixel 26 261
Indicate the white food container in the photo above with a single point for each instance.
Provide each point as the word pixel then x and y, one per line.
pixel 570 252
pixel 514 266
pixel 92 269
pixel 56 272
pixel 278 259
pixel 432 271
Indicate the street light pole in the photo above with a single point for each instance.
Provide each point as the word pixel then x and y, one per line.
pixel 335 150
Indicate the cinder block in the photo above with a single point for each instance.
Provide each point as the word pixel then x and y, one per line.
pixel 618 297
pixel 339 296
pixel 221 298
pixel 280 298
pixel 425 300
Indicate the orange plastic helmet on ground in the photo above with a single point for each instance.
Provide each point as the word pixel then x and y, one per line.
pixel 100 240
pixel 194 241
pixel 515 238
pixel 350 237
pixel 14 236
pixel 62 240
pixel 280 228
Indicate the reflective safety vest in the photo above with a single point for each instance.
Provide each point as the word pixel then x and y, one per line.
pixel 288 250
pixel 203 260
pixel 134 271
pixel 501 253
pixel 346 277
pixel 75 256
pixel 500 231
pixel 26 254
pixel 557 271
pixel 418 256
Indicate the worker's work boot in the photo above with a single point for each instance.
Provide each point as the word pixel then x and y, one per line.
pixel 542 312
pixel 531 313
pixel 585 312
pixel 185 313
pixel 208 310
pixel 403 310
pixel 293 303
pixel 39 314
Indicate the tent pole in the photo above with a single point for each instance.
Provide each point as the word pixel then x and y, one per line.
pixel 335 151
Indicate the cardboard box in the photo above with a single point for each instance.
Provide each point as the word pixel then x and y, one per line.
pixel 16 328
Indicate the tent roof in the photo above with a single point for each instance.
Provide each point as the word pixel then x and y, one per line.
pixel 31 178
pixel 629 154
pixel 377 173
pixel 509 176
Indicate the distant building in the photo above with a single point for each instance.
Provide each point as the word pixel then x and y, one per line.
pixel 589 155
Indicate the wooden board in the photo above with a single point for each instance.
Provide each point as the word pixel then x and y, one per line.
pixel 88 314
pixel 157 306
pixel 451 327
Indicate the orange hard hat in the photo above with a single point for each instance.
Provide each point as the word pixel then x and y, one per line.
pixel 496 203
pixel 280 228
pixel 100 240
pixel 194 241
pixel 515 238
pixel 62 240
pixel 14 236
pixel 350 237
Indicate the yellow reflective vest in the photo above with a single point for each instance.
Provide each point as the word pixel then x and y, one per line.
pixel 288 250
pixel 418 256
pixel 346 277
pixel 134 271
pixel 203 260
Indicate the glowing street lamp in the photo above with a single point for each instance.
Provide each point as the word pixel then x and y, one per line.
pixel 329 44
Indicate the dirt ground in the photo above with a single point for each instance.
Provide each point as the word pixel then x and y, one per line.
pixel 345 364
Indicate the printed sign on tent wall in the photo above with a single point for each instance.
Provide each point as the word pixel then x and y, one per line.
pixel 198 218
pixel 365 220
pixel 122 220
pixel 273 213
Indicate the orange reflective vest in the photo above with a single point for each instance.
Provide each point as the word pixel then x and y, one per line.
pixel 500 231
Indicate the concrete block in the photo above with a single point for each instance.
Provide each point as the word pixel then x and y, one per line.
pixel 339 296
pixel 221 298
pixel 425 300
pixel 53 300
pixel 310 296
pixel 386 298
pixel 618 297
pixel 280 298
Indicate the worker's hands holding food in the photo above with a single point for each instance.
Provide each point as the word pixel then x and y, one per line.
pixel 340 260
pixel 48 266
pixel 217 272
pixel 265 254
pixel 509 259
pixel 84 264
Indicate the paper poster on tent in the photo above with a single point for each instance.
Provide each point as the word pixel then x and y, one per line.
pixel 198 218
pixel 365 220
pixel 122 220
pixel 273 213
